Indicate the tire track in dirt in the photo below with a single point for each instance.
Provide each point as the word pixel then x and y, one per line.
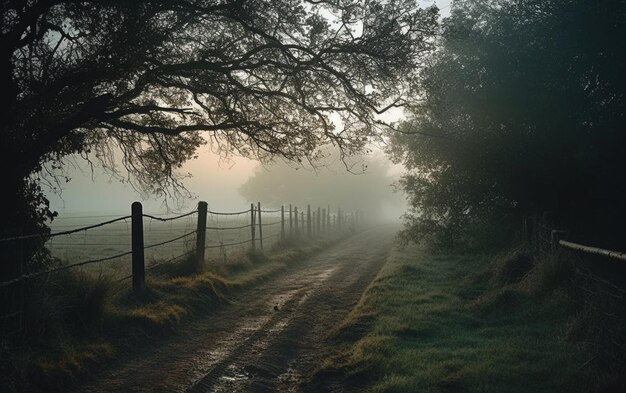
pixel 268 338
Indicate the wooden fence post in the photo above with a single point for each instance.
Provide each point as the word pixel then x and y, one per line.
pixel 302 220
pixel 201 234
pixel 339 218
pixel 252 226
pixel 324 220
pixel 319 220
pixel 290 221
pixel 295 222
pixel 260 226
pixel 308 220
pixel 282 222
pixel 328 218
pixel 138 268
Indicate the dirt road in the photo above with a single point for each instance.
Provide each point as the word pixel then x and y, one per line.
pixel 268 338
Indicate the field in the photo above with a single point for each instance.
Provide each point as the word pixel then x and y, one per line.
pixel 114 239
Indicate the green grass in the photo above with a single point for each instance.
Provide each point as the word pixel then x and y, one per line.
pixel 79 321
pixel 459 323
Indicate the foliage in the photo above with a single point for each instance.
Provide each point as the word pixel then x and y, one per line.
pixel 259 77
pixel 523 113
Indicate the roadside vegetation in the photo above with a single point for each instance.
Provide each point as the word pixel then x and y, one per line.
pixel 521 124
pixel 476 323
pixel 523 113
pixel 78 321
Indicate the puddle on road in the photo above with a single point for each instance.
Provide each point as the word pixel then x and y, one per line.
pixel 288 381
pixel 234 375
pixel 267 325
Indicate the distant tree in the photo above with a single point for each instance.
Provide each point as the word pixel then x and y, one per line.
pixel 524 112
pixel 260 77
pixel 366 187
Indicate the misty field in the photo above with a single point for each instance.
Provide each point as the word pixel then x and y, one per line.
pixel 114 239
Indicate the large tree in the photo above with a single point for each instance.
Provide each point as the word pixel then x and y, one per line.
pixel 524 112
pixel 261 77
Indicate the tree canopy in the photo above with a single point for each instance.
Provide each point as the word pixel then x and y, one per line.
pixel 158 78
pixel 523 113
pixel 261 76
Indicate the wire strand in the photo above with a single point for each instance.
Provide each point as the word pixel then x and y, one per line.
pixel 51 235
pixel 169 241
pixel 61 268
pixel 170 218
pixel 228 244
pixel 229 214
pixel 271 223
pixel 228 228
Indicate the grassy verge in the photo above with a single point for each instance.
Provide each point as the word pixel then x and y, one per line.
pixel 78 322
pixel 459 323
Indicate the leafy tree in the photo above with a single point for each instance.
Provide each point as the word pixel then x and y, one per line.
pixel 366 187
pixel 523 113
pixel 148 77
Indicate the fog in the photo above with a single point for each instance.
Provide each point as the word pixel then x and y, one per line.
pixel 359 182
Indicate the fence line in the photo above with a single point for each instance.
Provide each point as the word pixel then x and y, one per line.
pixel 28 276
pixel 593 250
pixel 545 234
pixel 12 294
pixel 315 223
pixel 255 211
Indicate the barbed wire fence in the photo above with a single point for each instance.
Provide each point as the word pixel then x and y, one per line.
pixel 162 240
